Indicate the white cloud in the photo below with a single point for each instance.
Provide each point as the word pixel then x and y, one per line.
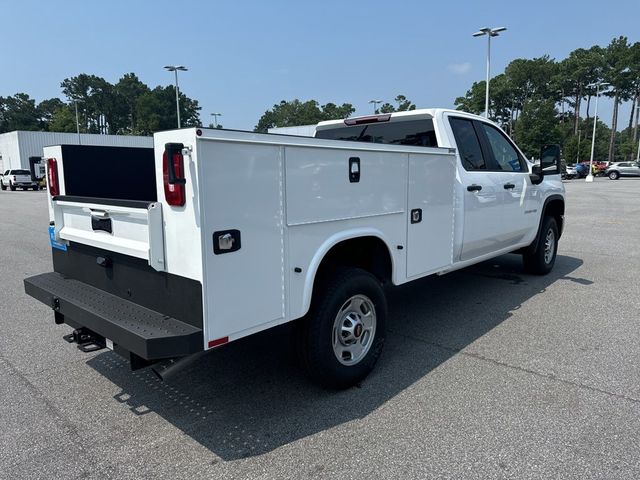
pixel 459 68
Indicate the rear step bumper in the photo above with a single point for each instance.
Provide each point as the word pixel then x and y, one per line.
pixel 147 333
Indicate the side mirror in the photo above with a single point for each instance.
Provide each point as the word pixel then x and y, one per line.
pixel 536 174
pixel 550 159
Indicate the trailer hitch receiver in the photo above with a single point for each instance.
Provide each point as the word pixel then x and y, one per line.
pixel 87 340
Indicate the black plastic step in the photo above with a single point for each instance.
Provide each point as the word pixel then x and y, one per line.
pixel 145 332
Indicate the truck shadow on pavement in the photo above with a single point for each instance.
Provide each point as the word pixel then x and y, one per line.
pixel 251 397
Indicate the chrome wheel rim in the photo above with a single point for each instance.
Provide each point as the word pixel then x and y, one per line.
pixel 354 329
pixel 549 246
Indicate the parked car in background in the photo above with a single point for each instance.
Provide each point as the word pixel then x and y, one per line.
pixel 570 171
pixel 17 179
pixel 623 169
pixel 582 170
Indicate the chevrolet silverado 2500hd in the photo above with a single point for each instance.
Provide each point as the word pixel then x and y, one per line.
pixel 214 235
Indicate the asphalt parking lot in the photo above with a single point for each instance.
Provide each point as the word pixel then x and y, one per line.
pixel 487 373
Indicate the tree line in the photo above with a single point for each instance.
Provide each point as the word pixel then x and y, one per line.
pixel 128 107
pixel 541 100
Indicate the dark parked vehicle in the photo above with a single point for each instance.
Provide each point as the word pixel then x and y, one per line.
pixel 623 169
pixel 582 170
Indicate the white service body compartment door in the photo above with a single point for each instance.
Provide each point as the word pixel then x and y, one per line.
pixel 241 187
pixel 430 213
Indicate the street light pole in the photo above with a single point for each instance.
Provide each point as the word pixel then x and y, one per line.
pixel 375 105
pixel 595 121
pixel 489 32
pixel 215 118
pixel 175 68
pixel 75 102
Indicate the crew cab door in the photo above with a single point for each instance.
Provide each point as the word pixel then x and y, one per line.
pixel 509 169
pixel 480 192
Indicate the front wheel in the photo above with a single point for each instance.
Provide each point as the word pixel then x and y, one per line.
pixel 342 337
pixel 3 186
pixel 541 259
pixel 614 175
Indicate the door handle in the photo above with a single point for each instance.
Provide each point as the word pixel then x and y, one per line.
pixel 474 188
pixel 508 186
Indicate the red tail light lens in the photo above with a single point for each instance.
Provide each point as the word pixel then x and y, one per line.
pixel 173 192
pixel 52 177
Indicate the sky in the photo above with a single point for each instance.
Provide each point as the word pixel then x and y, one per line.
pixel 245 56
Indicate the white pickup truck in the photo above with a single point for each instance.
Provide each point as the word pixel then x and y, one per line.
pixel 214 235
pixel 17 179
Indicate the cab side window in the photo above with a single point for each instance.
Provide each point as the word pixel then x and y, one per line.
pixel 468 144
pixel 506 156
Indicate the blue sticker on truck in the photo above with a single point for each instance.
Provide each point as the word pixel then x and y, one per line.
pixel 53 241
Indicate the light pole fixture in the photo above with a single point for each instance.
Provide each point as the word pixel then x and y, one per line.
pixel 75 102
pixel 595 121
pixel 175 68
pixel 489 32
pixel 215 118
pixel 375 105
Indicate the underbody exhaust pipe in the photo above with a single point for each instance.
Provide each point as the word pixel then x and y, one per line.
pixel 167 369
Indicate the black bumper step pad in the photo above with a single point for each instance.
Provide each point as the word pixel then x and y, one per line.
pixel 145 332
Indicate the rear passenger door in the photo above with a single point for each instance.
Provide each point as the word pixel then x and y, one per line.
pixel 481 192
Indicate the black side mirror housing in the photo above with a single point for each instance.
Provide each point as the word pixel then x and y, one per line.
pixel 536 175
pixel 550 159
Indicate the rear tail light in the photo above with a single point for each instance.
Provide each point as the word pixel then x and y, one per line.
pixel 173 174
pixel 52 177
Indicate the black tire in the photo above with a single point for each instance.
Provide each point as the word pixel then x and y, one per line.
pixel 539 259
pixel 12 187
pixel 614 175
pixel 3 186
pixel 315 336
pixel 36 188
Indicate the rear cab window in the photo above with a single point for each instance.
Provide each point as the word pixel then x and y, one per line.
pixel 419 133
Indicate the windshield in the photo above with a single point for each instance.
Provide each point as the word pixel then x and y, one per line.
pixel 410 132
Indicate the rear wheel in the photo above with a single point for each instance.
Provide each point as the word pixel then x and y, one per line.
pixel 342 337
pixel 614 175
pixel 12 187
pixel 36 188
pixel 540 261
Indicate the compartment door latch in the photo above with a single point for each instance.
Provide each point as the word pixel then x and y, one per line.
pixel 226 241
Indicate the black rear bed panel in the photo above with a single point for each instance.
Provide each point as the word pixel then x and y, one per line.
pixel 123 173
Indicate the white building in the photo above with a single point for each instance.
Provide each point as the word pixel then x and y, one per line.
pixel 16 147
